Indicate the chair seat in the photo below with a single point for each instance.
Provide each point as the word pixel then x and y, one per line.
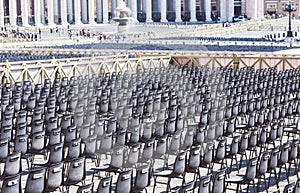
pixel 163 173
pixel 235 179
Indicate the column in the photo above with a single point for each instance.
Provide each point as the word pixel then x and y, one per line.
pixel 77 12
pixel 208 10
pixel 243 7
pixel 105 11
pixel 230 13
pixel 254 9
pixel 1 13
pixel 163 11
pixel 13 12
pixel 223 11
pixel 63 12
pixel 56 11
pixel 37 12
pixel 261 8
pixel 50 11
pixel 99 11
pixel 84 14
pixel 193 11
pixel 25 12
pixel 134 10
pixel 91 11
pixel 42 7
pixel 178 10
pixel 113 8
pixel 149 11
pixel 70 11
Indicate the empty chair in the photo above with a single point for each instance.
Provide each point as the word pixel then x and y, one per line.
pixel 123 184
pixel 218 181
pixel 142 179
pixel 177 171
pixel 12 184
pixel 262 169
pixel 13 165
pixel 35 182
pixel 116 162
pixel 88 188
pixel 54 177
pixel 55 155
pixel 247 178
pixel 104 185
pixel 204 184
pixel 76 172
pixel 193 162
pixel 73 150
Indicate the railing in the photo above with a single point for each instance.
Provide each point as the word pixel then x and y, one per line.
pixel 38 71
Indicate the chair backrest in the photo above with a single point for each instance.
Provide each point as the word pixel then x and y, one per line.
pixel 133 155
pixel 21 144
pixel 104 185
pixel 37 141
pixel 193 161
pixel 117 157
pixel 4 148
pixel 219 181
pixel 273 159
pixel 88 188
pixel 160 148
pixel 294 150
pixel 234 146
pixel 56 153
pixel 90 145
pixel 204 184
pixel 74 149
pixel 148 150
pixel 36 181
pixel 54 177
pixel 13 164
pixel 221 150
pixel 284 154
pixel 251 169
pixel 289 188
pixel 179 164
pixel 12 184
pixel 123 184
pixel 208 154
pixel 174 145
pixel 142 178
pixel 262 168
pixel 76 171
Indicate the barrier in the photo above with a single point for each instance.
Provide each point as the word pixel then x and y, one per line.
pixel 38 71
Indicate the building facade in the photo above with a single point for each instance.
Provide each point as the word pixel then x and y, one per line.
pixel 64 12
pixel 276 7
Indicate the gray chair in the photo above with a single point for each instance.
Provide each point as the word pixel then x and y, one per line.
pixel 204 184
pixel 142 179
pixel 54 177
pixel 247 178
pixel 218 181
pixel 76 172
pixel 104 185
pixel 35 182
pixel 123 184
pixel 12 184
pixel 88 188
pixel 176 172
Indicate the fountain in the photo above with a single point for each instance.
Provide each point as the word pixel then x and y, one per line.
pixel 122 17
